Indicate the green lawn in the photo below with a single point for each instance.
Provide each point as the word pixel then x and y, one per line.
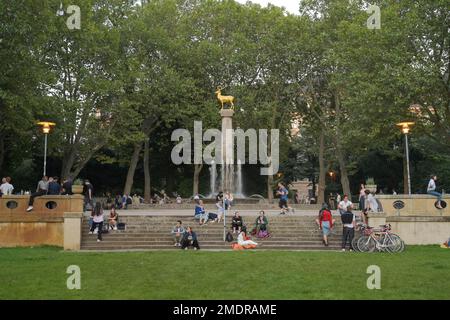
pixel 421 272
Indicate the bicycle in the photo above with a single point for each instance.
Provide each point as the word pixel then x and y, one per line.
pixel 381 240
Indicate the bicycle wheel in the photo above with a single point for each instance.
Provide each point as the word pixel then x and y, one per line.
pixel 355 243
pixel 398 244
pixel 387 243
pixel 366 244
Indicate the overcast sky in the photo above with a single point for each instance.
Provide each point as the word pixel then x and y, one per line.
pixel 290 5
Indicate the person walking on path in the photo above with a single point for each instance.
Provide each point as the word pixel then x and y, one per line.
pixel 325 222
pixel 283 193
pixel 431 189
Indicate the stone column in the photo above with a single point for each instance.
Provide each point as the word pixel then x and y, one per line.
pixel 72 230
pixel 227 150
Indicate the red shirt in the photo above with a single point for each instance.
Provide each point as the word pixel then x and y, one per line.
pixel 326 216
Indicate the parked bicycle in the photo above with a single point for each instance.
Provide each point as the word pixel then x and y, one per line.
pixel 381 239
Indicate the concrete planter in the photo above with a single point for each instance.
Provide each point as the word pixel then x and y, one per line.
pixel 77 189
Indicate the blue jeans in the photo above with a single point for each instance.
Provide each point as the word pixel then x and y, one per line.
pixel 436 194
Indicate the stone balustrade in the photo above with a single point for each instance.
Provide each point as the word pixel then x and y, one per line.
pixel 55 220
pixel 414 218
pixel 413 205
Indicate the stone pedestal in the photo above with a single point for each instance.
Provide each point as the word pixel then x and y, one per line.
pixel 72 230
pixel 227 150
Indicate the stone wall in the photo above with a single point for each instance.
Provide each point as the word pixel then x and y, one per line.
pixel 55 220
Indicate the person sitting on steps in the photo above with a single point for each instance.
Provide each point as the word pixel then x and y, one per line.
pixel 113 218
pixel 236 222
pixel 177 233
pixel 261 223
pixel 244 241
pixel 189 239
pixel 200 213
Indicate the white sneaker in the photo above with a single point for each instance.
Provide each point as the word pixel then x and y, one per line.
pixel 195 248
pixel 90 232
pixel 343 250
pixel 185 248
pixel 98 240
pixel 175 245
pixel 115 228
pixel 29 208
pixel 96 231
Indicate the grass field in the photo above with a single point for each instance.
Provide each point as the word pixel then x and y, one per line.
pixel 421 272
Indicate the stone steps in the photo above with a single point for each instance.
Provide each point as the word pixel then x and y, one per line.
pixel 153 233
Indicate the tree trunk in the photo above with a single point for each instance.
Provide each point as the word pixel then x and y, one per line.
pixel 67 163
pixel 269 188
pixel 197 170
pixel 147 185
pixel 339 149
pixel 2 150
pixel 322 173
pixel 133 163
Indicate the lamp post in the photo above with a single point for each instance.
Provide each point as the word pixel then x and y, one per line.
pixel 405 127
pixel 46 126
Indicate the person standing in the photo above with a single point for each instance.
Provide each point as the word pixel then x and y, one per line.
pixel 42 189
pixel 6 188
pixel 177 233
pixel 348 232
pixel 67 187
pixel 88 194
pixel 362 197
pixel 97 221
pixel 431 190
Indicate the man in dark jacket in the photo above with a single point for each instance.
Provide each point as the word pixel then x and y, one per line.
pixel 189 239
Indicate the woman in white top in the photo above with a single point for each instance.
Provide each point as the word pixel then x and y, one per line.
pixel 6 188
pixel 97 220
pixel 371 202
pixel 244 241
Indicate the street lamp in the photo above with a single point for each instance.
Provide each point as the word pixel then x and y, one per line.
pixel 46 126
pixel 405 127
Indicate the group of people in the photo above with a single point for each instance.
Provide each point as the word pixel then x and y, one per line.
pixel 97 220
pixel 326 222
pixel 184 238
pixel 50 186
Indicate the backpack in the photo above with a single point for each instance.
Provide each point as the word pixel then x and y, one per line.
pixel 229 237
pixel 347 218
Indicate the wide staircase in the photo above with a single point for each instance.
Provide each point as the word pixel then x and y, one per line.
pixel 153 232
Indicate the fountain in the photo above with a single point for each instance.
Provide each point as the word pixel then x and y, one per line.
pixel 230 178
pixel 212 178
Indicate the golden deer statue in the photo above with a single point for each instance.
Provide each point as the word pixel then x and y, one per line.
pixel 224 99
